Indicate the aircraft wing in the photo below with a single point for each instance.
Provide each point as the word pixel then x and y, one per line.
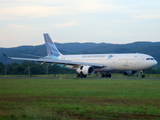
pixel 56 61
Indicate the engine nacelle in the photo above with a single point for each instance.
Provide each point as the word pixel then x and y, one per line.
pixel 85 70
pixel 130 72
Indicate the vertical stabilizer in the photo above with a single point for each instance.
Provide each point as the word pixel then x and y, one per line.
pixel 50 46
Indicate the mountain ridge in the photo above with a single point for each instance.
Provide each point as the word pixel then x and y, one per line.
pixel 83 48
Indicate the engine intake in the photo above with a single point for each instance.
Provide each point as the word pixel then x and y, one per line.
pixel 85 70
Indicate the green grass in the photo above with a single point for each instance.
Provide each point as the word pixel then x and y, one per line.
pixel 73 99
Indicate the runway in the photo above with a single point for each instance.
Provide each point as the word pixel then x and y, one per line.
pixel 88 78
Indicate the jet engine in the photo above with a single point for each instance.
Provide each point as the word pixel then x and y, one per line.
pixel 85 70
pixel 130 72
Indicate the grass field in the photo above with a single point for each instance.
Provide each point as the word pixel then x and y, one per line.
pixel 73 99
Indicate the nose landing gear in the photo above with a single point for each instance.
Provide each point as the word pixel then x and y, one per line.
pixel 142 74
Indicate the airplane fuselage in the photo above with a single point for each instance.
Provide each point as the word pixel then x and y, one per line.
pixel 122 62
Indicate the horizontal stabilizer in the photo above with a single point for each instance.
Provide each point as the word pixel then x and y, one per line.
pixel 6 55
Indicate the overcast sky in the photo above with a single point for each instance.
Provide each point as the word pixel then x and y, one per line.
pixel 23 22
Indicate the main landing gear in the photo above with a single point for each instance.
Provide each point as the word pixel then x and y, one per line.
pixel 103 75
pixel 106 75
pixel 142 74
pixel 81 75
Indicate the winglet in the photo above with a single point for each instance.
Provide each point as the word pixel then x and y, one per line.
pixel 6 55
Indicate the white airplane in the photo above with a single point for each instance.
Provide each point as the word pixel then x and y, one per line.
pixel 87 64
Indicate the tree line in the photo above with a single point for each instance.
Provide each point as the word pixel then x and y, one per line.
pixel 33 68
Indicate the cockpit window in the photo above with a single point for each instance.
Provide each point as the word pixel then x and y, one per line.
pixel 149 58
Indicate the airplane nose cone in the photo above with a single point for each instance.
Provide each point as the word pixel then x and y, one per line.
pixel 152 63
pixel 155 62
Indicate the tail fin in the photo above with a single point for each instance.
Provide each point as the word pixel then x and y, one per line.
pixel 50 46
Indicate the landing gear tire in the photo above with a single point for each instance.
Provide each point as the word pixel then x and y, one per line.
pixel 78 75
pixel 84 76
pixel 81 76
pixel 142 76
pixel 106 75
pixel 102 75
pixel 109 75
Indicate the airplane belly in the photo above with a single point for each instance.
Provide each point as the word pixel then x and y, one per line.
pixel 125 65
pixel 104 69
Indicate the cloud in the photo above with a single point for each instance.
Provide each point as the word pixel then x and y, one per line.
pixel 25 11
pixel 149 16
pixel 21 26
pixel 21 10
pixel 72 23
pixel 78 20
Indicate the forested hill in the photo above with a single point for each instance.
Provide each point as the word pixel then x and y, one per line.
pixel 151 48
